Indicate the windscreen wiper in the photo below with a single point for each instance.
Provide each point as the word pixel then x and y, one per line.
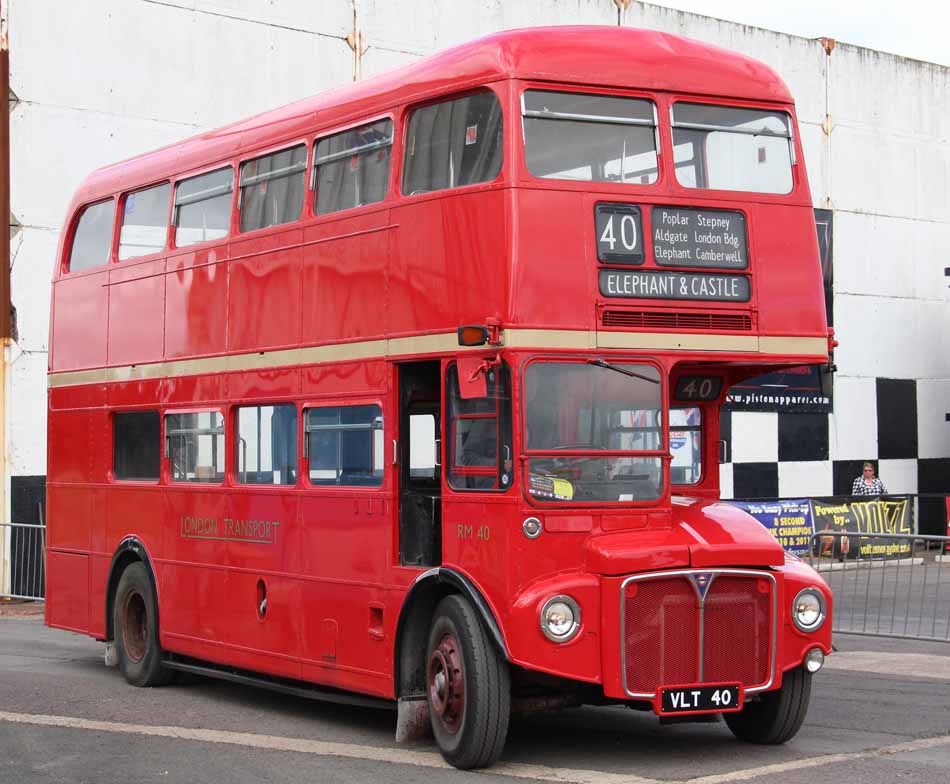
pixel 604 364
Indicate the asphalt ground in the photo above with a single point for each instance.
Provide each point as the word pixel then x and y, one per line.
pixel 880 712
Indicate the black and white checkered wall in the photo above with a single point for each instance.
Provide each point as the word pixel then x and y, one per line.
pixel 898 424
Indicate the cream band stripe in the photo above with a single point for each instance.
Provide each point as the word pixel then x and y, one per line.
pixel 445 343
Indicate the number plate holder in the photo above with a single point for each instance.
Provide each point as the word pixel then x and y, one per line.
pixel 699 698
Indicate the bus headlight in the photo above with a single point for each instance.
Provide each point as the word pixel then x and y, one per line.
pixel 808 609
pixel 560 618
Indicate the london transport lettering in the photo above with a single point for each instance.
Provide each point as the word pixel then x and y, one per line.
pixel 674 285
pixel 255 531
pixel 699 238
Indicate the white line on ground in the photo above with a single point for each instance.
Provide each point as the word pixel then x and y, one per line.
pixel 432 760
pixel 919 665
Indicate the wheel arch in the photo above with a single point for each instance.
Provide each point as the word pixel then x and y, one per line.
pixel 130 550
pixel 412 630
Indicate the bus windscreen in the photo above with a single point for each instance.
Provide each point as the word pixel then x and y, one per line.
pixel 590 138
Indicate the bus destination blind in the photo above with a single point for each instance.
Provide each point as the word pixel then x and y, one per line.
pixel 699 238
pixel 648 284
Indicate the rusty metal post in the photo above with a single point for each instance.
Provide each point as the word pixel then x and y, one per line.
pixel 4 178
pixel 4 267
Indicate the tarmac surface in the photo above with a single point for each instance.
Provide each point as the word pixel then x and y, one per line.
pixel 880 712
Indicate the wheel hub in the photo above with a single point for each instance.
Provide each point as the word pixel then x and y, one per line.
pixel 446 677
pixel 134 626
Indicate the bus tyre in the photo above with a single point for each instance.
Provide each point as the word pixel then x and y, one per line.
pixel 135 624
pixel 468 687
pixel 778 715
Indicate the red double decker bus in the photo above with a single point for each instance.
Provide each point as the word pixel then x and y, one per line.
pixel 409 392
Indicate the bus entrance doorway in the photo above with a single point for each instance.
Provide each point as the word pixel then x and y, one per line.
pixel 420 479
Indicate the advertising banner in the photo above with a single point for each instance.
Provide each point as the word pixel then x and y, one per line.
pixel 789 521
pixel 871 520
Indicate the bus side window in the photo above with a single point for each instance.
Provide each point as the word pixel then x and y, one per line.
pixel 352 168
pixel 92 242
pixel 345 445
pixel 265 445
pixel 194 445
pixel 272 188
pixel 136 445
pixel 453 143
pixel 686 428
pixel 478 433
pixel 144 222
pixel 203 207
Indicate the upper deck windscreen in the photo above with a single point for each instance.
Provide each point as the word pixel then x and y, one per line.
pixel 590 138
pixel 732 149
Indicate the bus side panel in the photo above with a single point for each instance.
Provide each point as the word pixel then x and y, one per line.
pixel 67 601
pixel 68 517
pixel 196 304
pixel 344 286
pixel 269 561
pixel 419 272
pixel 264 292
pixel 788 278
pixel 476 253
pixel 136 312
pixel 346 551
pixel 79 321
pixel 554 273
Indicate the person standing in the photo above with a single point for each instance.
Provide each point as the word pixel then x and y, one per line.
pixel 867 483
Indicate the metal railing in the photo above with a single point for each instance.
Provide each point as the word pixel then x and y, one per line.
pixel 22 560
pixel 886 585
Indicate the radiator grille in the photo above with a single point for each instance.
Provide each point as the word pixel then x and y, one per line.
pixel 736 639
pixel 664 610
pixel 735 322
pixel 662 621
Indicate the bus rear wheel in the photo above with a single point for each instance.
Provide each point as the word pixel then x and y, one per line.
pixel 468 687
pixel 135 626
pixel 778 715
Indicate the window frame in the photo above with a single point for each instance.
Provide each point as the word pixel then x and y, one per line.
pixel 679 190
pixel 166 452
pixel 499 91
pixel 113 476
pixel 177 180
pixel 304 454
pixel 74 228
pixel 333 130
pixel 232 473
pixel 120 213
pixel 700 428
pixel 663 455
pixel 584 90
pixel 263 152
pixel 449 431
pixel 661 139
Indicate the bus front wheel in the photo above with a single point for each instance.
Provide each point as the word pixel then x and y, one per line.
pixel 135 625
pixel 778 715
pixel 468 687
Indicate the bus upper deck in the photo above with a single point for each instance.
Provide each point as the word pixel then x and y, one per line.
pixel 489 191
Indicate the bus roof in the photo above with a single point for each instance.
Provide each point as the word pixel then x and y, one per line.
pixel 603 56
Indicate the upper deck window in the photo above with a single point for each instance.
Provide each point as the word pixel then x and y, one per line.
pixel 272 188
pixel 453 143
pixel 144 222
pixel 203 207
pixel 92 241
pixel 590 138
pixel 731 149
pixel 352 167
